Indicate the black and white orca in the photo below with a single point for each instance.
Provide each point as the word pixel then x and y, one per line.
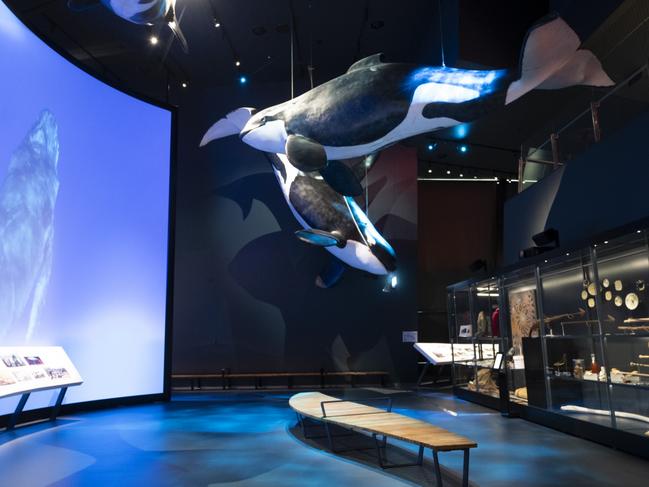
pixel 376 104
pixel 142 12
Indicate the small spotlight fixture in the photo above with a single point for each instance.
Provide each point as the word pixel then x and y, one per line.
pixel 243 80
pixel 475 177
pixel 461 175
pixel 430 171
pixel 217 24
pixel 463 148
pixel 183 84
pixel 605 242
pixel 153 40
pixel 638 231
pixel 237 63
pixel 448 171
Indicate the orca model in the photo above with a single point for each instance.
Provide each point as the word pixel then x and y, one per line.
pixel 335 222
pixel 377 104
pixel 142 12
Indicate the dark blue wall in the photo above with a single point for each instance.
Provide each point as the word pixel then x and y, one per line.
pixel 603 189
pixel 245 296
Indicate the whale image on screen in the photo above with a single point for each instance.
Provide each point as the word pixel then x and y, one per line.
pixel 84 214
pixel 27 206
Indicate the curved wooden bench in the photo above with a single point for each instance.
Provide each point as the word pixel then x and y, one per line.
pixel 354 416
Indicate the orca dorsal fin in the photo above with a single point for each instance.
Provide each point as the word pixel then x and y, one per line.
pixel 367 62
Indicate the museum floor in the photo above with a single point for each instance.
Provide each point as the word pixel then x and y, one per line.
pixel 250 439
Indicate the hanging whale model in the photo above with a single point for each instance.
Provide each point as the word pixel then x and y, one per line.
pixel 142 12
pixel 335 222
pixel 376 104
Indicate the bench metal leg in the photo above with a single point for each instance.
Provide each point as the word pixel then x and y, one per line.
pixel 383 445
pixel 465 473
pixel 57 405
pixel 19 409
pixel 438 471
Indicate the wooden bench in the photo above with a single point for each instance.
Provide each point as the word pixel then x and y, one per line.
pixel 226 377
pixel 354 416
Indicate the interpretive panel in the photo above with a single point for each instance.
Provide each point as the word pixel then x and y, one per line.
pixel 29 369
pixel 446 353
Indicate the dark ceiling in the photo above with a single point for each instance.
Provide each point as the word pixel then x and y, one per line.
pixel 331 34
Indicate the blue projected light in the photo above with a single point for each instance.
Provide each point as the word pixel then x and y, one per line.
pixel 452 85
pixel 84 197
pixel 243 80
pixel 463 148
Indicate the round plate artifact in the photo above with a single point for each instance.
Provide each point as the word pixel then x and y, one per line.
pixel 584 295
pixel 631 301
pixel 592 289
pixel 618 285
pixel 591 302
pixel 606 282
pixel 608 295
pixel 618 301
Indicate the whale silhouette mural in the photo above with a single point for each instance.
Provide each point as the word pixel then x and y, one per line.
pixel 376 104
pixel 142 12
pixel 28 197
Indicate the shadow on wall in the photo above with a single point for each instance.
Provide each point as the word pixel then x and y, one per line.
pixel 246 297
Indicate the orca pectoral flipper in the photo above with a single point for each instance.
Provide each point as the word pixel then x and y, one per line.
pixel 320 238
pixel 305 154
pixel 342 179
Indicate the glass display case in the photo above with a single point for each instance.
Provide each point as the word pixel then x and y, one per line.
pixel 475 335
pixel 574 327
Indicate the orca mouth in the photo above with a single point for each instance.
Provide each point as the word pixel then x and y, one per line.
pixel 255 124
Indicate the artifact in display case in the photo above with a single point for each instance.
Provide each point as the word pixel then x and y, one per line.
pixel 474 327
pixel 579 329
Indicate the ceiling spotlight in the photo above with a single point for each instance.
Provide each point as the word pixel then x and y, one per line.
pixel 432 147
pixel 153 40
pixel 217 24
pixel 243 80
pixel 463 148
pixel 448 171
pixel 461 175
pixel 475 177
pixel 237 63
pixel 183 84
pixel 430 171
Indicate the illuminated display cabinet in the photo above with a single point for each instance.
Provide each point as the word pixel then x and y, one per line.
pixel 575 331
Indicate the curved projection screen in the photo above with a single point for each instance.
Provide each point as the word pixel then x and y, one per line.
pixel 84 195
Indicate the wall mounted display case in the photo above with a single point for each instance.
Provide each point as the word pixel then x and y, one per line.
pixel 575 328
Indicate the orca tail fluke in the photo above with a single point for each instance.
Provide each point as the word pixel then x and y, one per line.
pixel 551 59
pixel 178 33
pixel 232 124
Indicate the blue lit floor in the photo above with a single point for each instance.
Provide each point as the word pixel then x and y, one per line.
pixel 249 439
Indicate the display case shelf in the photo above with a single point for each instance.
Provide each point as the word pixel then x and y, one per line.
pixel 561 314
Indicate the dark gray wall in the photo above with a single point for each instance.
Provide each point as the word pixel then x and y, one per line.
pixel 603 189
pixel 245 296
